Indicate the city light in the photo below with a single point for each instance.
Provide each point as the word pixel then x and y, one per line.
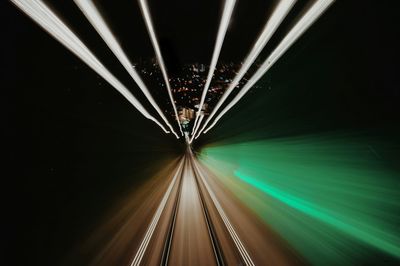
pixel 49 21
pixel 188 86
pixel 149 25
pixel 93 15
pixel 226 16
pixel 270 27
pixel 301 26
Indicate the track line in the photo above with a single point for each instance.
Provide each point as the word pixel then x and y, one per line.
pixel 168 241
pixel 142 248
pixel 242 250
pixel 219 257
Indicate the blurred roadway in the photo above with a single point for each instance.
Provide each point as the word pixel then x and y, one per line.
pixel 199 222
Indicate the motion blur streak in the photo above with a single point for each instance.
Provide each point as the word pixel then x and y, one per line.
pixel 149 25
pixel 47 19
pixel 304 23
pixel 122 228
pixel 271 26
pixel 243 252
pixel 93 15
pixel 196 127
pixel 226 16
pixel 139 255
pixel 329 196
pixel 369 234
pixel 191 242
pixel 179 216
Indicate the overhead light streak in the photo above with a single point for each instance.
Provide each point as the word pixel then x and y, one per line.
pixel 301 26
pixel 48 20
pixel 93 15
pixel 196 128
pixel 149 25
pixel 225 18
pixel 280 12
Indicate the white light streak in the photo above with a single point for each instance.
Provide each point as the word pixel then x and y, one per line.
pixel 47 19
pixel 301 26
pixel 196 128
pixel 93 15
pixel 270 27
pixel 226 17
pixel 149 25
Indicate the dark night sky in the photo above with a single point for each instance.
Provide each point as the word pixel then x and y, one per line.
pixel 72 142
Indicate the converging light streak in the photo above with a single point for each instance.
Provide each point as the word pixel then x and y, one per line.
pixel 304 23
pixel 196 128
pixel 226 16
pixel 47 19
pixel 270 27
pixel 93 15
pixel 153 37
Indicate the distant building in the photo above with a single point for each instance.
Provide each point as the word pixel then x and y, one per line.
pixel 185 114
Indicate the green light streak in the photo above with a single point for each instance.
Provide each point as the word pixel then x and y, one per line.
pixel 365 235
pixel 333 198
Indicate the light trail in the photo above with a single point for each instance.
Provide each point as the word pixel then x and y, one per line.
pixel 301 26
pixel 150 230
pixel 239 245
pixel 226 17
pixel 270 27
pixel 149 25
pixel 322 214
pixel 48 20
pixel 196 128
pixel 89 9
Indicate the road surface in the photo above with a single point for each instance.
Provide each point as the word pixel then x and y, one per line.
pixel 199 222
